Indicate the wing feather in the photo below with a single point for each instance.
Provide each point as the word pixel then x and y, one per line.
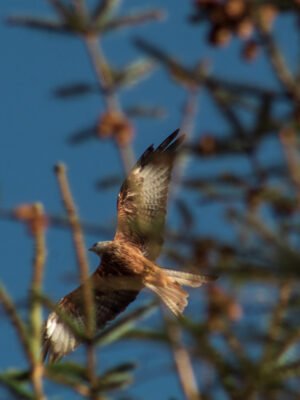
pixel 58 339
pixel 142 206
pixel 142 200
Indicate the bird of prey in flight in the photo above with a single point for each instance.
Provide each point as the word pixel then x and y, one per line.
pixel 128 262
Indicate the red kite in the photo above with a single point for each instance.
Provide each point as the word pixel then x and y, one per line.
pixel 128 262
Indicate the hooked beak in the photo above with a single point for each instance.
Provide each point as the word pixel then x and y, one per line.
pixel 93 249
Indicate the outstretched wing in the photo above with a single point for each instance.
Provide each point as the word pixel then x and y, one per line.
pixel 141 217
pixel 142 200
pixel 58 338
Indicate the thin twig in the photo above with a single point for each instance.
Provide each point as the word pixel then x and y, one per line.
pixel 35 315
pixel 182 361
pixel 58 221
pixel 290 340
pixel 277 59
pixel 16 320
pixel 78 387
pixel 127 156
pixel 105 80
pixel 60 8
pixel 289 144
pixel 102 70
pixel 276 321
pixel 267 234
pixel 130 20
pixel 14 387
pixel 186 127
pixel 189 113
pixel 80 7
pixel 82 261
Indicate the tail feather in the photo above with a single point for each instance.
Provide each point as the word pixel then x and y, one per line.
pixel 166 283
pixel 188 279
pixel 172 295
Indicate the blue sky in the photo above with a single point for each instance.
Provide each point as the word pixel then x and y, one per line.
pixel 35 127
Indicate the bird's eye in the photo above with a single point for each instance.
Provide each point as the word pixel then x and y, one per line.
pixel 95 244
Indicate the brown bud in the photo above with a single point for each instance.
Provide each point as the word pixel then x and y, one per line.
pixel 268 13
pixel 222 304
pixel 235 8
pixel 254 198
pixel 207 144
pixel 24 212
pixel 288 136
pixel 250 50
pixel 106 124
pixel 115 124
pixel 202 253
pixel 220 36
pixel 234 311
pixel 33 215
pixel 245 28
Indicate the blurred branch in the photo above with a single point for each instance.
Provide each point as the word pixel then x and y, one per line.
pixel 182 361
pixel 102 71
pixel 71 90
pixel 16 321
pixel 291 339
pixel 105 80
pixel 39 23
pixel 227 111
pixel 15 388
pixel 138 111
pixel 277 59
pixel 289 143
pixel 201 77
pixel 266 233
pixel 70 375
pixel 130 20
pixel 276 322
pixel 35 313
pixel 105 9
pixel 189 113
pixel 61 222
pixel 82 260
pixel 62 9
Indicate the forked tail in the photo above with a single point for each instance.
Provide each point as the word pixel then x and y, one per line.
pixel 172 295
pixel 170 291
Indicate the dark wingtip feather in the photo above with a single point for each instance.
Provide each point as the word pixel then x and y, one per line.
pixel 177 143
pixel 145 155
pixel 168 145
pixel 168 140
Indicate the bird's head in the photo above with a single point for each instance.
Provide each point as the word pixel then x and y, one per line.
pixel 101 247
